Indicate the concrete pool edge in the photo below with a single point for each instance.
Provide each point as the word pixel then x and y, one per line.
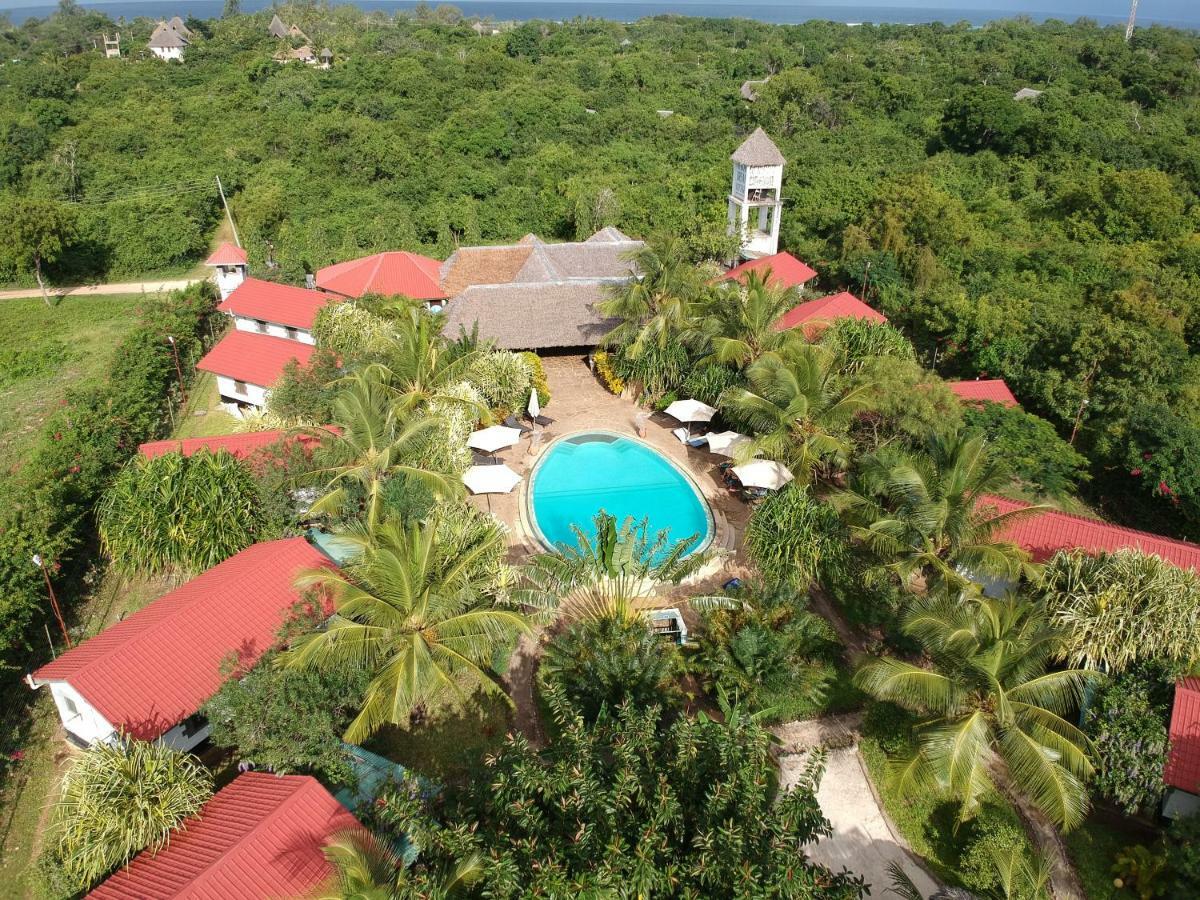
pixel 531 533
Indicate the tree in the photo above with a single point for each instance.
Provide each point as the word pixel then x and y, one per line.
pixel 692 810
pixel 36 234
pixel 603 663
pixel 602 577
pixel 289 720
pixel 231 9
pixel 180 513
pixel 855 342
pixel 659 306
pixel 797 407
pixel 1127 722
pixel 738 324
pixel 119 799
pixel 420 609
pixel 303 395
pixel 1030 446
pixel 1115 609
pixel 375 442
pixel 367 868
pixel 991 708
pixel 926 514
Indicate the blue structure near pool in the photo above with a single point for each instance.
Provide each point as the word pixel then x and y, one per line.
pixel 582 474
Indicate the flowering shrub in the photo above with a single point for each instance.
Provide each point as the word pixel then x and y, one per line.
pixel 608 376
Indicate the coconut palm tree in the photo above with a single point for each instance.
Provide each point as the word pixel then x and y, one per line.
pixel 739 325
pixel 926 514
pixel 366 868
pixel 990 708
pixel 375 441
pixel 605 576
pixel 117 800
pixel 659 305
pixel 422 607
pixel 797 407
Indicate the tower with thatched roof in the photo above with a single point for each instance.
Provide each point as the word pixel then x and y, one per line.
pixel 755 202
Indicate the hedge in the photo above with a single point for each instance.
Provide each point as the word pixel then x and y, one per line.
pixel 46 506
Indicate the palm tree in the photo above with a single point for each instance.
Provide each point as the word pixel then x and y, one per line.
pixel 738 326
pixel 374 442
pixel 991 709
pixel 118 799
pixel 366 868
pixel 926 514
pixel 422 608
pixel 657 306
pixel 605 576
pixel 797 407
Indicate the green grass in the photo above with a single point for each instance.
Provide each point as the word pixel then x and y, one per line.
pixel 203 416
pixel 1093 847
pixel 46 351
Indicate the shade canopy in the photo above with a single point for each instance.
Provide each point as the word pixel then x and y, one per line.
pixel 763 473
pixel 490 479
pixel 691 411
pixel 497 437
pixel 535 407
pixel 727 443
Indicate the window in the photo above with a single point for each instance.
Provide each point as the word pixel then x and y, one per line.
pixel 239 387
pixel 261 326
pixel 192 725
pixel 70 706
pixel 293 333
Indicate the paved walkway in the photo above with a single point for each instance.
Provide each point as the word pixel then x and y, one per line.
pixel 863 840
pixel 90 290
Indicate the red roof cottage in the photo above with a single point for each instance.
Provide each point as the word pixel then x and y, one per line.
pixel 229 263
pixel 396 273
pixel 247 365
pixel 1182 772
pixel 240 446
pixel 984 390
pixel 780 270
pixel 280 310
pixel 817 315
pixel 261 837
pixel 149 674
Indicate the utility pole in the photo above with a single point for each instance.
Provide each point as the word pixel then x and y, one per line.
pixel 178 371
pixel 37 561
pixel 225 202
pixel 1132 16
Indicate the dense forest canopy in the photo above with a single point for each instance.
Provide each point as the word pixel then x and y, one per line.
pixel 1052 242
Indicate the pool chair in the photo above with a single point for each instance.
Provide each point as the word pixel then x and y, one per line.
pixel 681 434
pixel 514 422
pixel 543 421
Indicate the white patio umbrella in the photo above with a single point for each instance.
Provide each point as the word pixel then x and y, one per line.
pixel 727 443
pixel 690 411
pixel 497 437
pixel 490 479
pixel 763 473
pixel 534 407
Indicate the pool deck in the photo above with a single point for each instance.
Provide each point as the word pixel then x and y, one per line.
pixel 578 402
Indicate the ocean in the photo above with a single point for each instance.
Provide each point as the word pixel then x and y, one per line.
pixel 1110 12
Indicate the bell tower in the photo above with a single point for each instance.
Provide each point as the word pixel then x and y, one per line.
pixel 755 200
pixel 229 267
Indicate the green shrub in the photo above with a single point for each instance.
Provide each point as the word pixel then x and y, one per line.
pixel 502 379
pixel 1031 446
pixel 605 662
pixel 795 538
pixel 606 373
pixel 304 394
pixel 538 374
pixel 1183 838
pixel 992 836
pixel 707 383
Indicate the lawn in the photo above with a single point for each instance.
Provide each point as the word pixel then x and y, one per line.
pixel 1093 847
pixel 46 351
pixel 203 415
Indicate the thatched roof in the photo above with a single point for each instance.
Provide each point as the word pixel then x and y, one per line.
pixel 1027 94
pixel 748 91
pixel 532 316
pixel 165 37
pixel 277 28
pixel 758 150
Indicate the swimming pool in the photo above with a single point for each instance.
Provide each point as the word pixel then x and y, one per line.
pixel 585 473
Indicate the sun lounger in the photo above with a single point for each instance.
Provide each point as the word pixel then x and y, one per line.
pixel 514 422
pixel 682 434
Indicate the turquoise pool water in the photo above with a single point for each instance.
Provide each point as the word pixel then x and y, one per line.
pixel 585 473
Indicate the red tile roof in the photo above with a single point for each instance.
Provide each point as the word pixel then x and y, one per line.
pixel 253 358
pixel 282 304
pixel 241 446
pixel 984 390
pixel 158 666
pixel 261 837
pixel 785 270
pixel 815 315
pixel 1183 759
pixel 227 255
pixel 1045 534
pixel 390 274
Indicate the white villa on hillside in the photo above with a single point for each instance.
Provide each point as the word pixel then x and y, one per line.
pixel 170 39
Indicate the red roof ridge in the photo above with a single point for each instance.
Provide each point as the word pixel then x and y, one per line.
pixel 984 390
pixel 783 268
pixel 254 358
pixel 227 254
pixel 1182 769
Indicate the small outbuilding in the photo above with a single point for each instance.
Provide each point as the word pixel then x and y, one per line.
pixel 984 390
pixel 169 42
pixel 280 310
pixel 817 315
pixel 248 365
